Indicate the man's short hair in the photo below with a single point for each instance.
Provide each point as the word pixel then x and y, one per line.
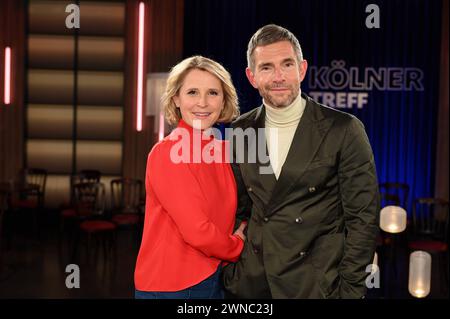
pixel 270 34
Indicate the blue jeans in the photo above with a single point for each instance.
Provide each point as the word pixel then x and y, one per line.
pixel 210 288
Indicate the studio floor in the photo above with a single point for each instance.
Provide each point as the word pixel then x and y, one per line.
pixel 33 266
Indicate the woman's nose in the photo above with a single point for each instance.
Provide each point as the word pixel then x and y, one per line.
pixel 202 102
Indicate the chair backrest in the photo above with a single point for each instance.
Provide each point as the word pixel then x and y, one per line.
pixel 126 195
pixel 394 194
pixel 35 176
pixel 389 199
pixel 430 218
pixel 89 198
pixel 83 176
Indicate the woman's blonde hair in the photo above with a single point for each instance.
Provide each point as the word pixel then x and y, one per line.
pixel 175 80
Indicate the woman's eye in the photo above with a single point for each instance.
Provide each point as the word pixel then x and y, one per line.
pixel 191 92
pixel 214 93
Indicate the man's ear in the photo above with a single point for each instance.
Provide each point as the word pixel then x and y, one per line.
pixel 302 69
pixel 251 77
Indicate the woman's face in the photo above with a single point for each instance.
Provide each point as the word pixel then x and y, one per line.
pixel 200 99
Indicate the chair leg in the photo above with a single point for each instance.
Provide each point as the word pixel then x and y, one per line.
pixel 443 266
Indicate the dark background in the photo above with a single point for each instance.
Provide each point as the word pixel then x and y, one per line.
pixel 401 125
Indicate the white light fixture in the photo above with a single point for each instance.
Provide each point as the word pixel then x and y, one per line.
pixel 156 85
pixel 419 274
pixel 393 219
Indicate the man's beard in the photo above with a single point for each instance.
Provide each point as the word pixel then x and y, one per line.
pixel 289 99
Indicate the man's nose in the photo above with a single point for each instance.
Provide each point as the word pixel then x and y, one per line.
pixel 278 75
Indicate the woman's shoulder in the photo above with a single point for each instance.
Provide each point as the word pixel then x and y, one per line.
pixel 162 149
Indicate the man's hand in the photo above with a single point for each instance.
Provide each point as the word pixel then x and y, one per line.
pixel 240 231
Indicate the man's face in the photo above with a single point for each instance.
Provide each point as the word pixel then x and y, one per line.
pixel 277 73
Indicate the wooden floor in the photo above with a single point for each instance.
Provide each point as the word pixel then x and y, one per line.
pixel 34 266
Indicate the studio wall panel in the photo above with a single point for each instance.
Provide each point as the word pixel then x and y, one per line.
pixel 53 155
pixel 50 86
pixel 96 18
pixel 100 122
pixel 56 87
pixel 57 52
pixel 75 81
pixel 48 17
pixel 100 88
pixel 101 53
pixel 102 18
pixel 50 121
pixel 57 190
pixel 50 52
pixel 101 155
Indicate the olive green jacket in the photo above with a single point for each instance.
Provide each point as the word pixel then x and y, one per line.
pixel 312 232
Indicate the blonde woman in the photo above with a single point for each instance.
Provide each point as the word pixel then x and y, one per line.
pixel 190 205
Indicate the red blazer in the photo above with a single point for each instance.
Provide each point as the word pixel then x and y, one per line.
pixel 189 217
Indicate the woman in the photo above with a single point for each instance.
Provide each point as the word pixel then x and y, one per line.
pixel 190 202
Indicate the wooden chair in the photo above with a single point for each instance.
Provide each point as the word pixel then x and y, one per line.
pixel 126 204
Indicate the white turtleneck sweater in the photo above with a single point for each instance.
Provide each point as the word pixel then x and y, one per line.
pixel 281 124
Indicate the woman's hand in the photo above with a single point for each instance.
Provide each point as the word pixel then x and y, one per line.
pixel 240 231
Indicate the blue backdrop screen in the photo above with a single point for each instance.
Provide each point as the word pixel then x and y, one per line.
pixel 388 76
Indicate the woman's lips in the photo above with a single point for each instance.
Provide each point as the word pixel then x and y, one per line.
pixel 201 115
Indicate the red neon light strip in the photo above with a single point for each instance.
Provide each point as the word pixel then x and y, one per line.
pixel 161 126
pixel 7 89
pixel 140 73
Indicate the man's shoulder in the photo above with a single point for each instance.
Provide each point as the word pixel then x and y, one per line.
pixel 338 116
pixel 247 118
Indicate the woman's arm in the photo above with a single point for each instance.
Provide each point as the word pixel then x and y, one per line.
pixel 178 191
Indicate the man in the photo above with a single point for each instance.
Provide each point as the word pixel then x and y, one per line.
pixel 314 221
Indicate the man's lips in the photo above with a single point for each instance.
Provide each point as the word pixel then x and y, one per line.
pixel 279 88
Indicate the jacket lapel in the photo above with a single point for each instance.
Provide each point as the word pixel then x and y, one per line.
pixel 253 170
pixel 308 136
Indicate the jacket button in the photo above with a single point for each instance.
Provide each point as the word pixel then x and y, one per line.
pixel 299 220
pixel 302 254
pixel 266 219
pixel 255 250
pixel 250 189
pixel 312 189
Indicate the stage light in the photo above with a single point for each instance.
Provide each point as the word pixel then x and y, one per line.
pixel 393 219
pixel 7 77
pixel 419 274
pixel 161 126
pixel 140 68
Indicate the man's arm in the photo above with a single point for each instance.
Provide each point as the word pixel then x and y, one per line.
pixel 244 202
pixel 360 200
